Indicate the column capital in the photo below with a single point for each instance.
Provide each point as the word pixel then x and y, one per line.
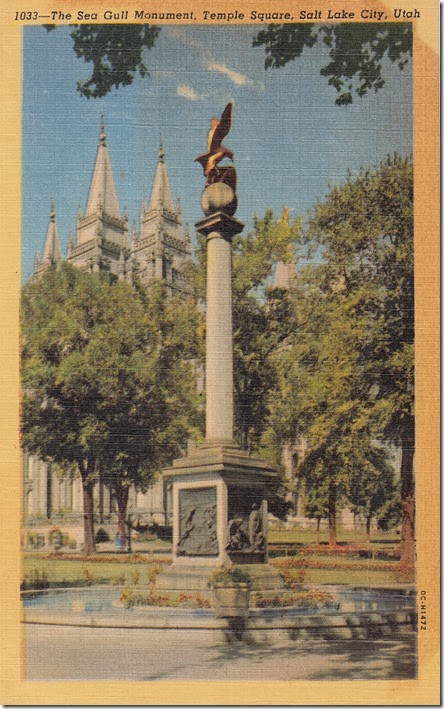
pixel 221 223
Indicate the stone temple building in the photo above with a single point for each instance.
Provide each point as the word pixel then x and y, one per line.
pixel 157 250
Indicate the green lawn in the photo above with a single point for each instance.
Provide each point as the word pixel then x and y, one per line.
pixel 348 576
pixel 120 572
pixel 308 536
pixel 138 572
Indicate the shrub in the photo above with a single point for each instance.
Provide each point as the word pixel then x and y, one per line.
pixel 88 577
pixel 153 572
pixel 135 577
pixel 102 536
pixel 229 575
pixel 35 581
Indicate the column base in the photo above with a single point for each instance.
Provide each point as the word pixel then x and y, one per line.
pixel 189 577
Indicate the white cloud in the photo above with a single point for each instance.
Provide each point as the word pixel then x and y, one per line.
pixel 189 93
pixel 234 76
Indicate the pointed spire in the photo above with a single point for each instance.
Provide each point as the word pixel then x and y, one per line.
pixel 161 150
pixel 52 252
pixel 187 232
pixel 102 193
pixel 70 245
pixel 284 275
pixel 161 197
pixel 102 136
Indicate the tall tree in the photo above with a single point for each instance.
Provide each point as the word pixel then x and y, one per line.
pixel 356 51
pixel 317 503
pixel 350 373
pixel 105 382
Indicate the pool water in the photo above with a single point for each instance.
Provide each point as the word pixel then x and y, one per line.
pixel 103 601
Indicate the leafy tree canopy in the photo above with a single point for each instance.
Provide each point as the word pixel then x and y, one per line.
pixel 106 382
pixel 356 51
pixel 347 373
pixel 115 52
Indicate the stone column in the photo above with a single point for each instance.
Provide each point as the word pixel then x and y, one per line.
pixel 219 340
pixel 219 228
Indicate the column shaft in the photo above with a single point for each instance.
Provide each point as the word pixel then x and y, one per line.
pixel 219 340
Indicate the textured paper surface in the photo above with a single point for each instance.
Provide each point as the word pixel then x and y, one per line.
pixel 423 690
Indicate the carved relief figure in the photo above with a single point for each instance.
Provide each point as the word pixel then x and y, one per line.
pixel 255 534
pixel 188 526
pixel 245 533
pixel 210 523
pixel 237 538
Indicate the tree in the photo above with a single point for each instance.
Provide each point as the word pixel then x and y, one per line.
pixel 366 231
pixel 356 51
pixel 317 504
pixel 115 52
pixel 372 485
pixel 349 376
pixel 106 386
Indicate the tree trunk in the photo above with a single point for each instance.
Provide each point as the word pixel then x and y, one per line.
pixel 408 494
pixel 88 517
pixel 122 502
pixel 318 525
pixel 332 494
pixel 368 526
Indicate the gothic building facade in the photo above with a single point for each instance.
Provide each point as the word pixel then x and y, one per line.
pixel 157 250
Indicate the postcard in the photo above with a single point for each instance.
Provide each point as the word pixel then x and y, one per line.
pixel 220 461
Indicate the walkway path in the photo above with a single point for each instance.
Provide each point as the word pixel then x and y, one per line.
pixel 70 653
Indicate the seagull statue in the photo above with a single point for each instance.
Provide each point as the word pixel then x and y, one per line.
pixel 216 151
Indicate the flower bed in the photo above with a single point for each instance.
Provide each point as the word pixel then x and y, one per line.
pixel 107 559
pixel 129 599
pixel 310 599
pixel 307 563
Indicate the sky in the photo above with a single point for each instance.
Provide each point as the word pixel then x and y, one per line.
pixel 289 139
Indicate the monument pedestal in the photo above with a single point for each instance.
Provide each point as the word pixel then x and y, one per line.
pixel 219 491
pixel 219 517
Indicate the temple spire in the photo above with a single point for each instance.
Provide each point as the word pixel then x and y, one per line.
pixel 52 252
pixel 102 193
pixel 161 150
pixel 285 273
pixel 161 197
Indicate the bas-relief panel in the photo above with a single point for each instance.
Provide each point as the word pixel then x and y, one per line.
pixel 198 522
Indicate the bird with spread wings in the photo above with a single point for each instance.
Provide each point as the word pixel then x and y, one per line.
pixel 216 151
